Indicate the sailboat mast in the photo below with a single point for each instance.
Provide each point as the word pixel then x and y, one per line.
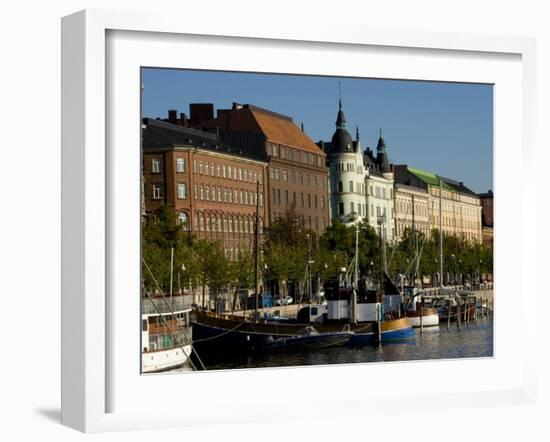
pixel 440 234
pixel 256 246
pixel 416 257
pixel 356 272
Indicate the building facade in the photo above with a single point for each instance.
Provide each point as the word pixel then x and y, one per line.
pixel 411 210
pixel 486 208
pixel 379 182
pixel 346 173
pixel 297 176
pixel 460 209
pixel 487 217
pixel 211 188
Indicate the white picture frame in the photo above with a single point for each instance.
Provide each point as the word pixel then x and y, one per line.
pixel 91 181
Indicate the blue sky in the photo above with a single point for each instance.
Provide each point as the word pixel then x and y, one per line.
pixel 445 128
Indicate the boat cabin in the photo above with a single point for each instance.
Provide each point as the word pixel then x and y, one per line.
pixel 312 313
pixel 339 300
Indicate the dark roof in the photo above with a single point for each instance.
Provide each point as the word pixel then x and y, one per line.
pixel 160 134
pixel 459 187
pixel 488 194
pixel 412 176
pixel 341 140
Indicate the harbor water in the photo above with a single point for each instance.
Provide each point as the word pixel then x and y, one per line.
pixel 469 341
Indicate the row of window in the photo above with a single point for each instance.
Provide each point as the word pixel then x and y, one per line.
pixel 212 169
pixel 347 167
pixel 362 210
pixel 226 223
pixel 380 192
pixel 406 207
pixel 288 153
pixel 224 171
pixel 211 193
pixel 454 222
pixel 304 201
pixel 295 177
pixel 224 195
pixel 352 188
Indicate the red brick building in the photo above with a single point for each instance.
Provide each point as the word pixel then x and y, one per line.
pixel 210 186
pixel 297 174
pixel 486 208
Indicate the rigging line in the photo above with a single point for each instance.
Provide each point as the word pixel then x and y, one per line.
pixel 181 329
pixel 221 334
pixel 167 303
pixel 167 325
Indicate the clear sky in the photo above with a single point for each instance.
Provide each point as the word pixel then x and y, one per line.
pixel 445 128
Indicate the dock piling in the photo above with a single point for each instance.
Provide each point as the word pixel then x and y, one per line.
pixel 420 313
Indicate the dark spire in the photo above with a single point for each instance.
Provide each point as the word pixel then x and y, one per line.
pixel 357 133
pixel 341 140
pixel 341 119
pixel 382 155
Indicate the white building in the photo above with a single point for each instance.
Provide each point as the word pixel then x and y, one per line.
pixel 346 172
pixel 361 185
pixel 379 180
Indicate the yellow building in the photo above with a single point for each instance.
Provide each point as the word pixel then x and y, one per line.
pixel 411 210
pixel 461 207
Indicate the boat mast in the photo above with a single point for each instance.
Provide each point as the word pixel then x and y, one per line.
pixel 355 278
pixel 383 263
pixel 440 234
pixel 256 251
pixel 416 257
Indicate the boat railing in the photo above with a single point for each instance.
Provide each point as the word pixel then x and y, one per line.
pixel 159 304
pixel 162 341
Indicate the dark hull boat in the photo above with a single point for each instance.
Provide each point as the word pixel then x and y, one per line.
pixel 308 339
pixel 231 334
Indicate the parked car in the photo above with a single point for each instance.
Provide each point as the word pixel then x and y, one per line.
pixel 286 300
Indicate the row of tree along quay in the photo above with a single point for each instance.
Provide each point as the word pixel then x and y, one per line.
pixel 295 261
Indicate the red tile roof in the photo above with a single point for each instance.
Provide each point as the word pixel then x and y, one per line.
pixel 276 128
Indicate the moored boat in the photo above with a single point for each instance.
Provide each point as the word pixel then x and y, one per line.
pixel 308 339
pixel 430 317
pixel 166 333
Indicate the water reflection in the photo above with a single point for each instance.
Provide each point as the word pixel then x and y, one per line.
pixel 469 341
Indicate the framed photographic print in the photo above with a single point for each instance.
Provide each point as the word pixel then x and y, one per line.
pixel 285 210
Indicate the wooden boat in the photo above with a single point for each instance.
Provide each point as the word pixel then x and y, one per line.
pixel 413 309
pixel 430 316
pixel 232 334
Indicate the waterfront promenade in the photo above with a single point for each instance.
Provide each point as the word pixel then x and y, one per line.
pixel 290 311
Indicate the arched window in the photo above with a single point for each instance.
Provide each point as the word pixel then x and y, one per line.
pixel 182 218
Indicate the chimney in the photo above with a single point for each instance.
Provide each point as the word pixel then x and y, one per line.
pixel 173 116
pixel 183 120
pixel 200 112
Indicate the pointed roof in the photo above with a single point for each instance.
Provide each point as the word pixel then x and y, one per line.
pixel 276 128
pixel 341 140
pixel 341 122
pixel 382 155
